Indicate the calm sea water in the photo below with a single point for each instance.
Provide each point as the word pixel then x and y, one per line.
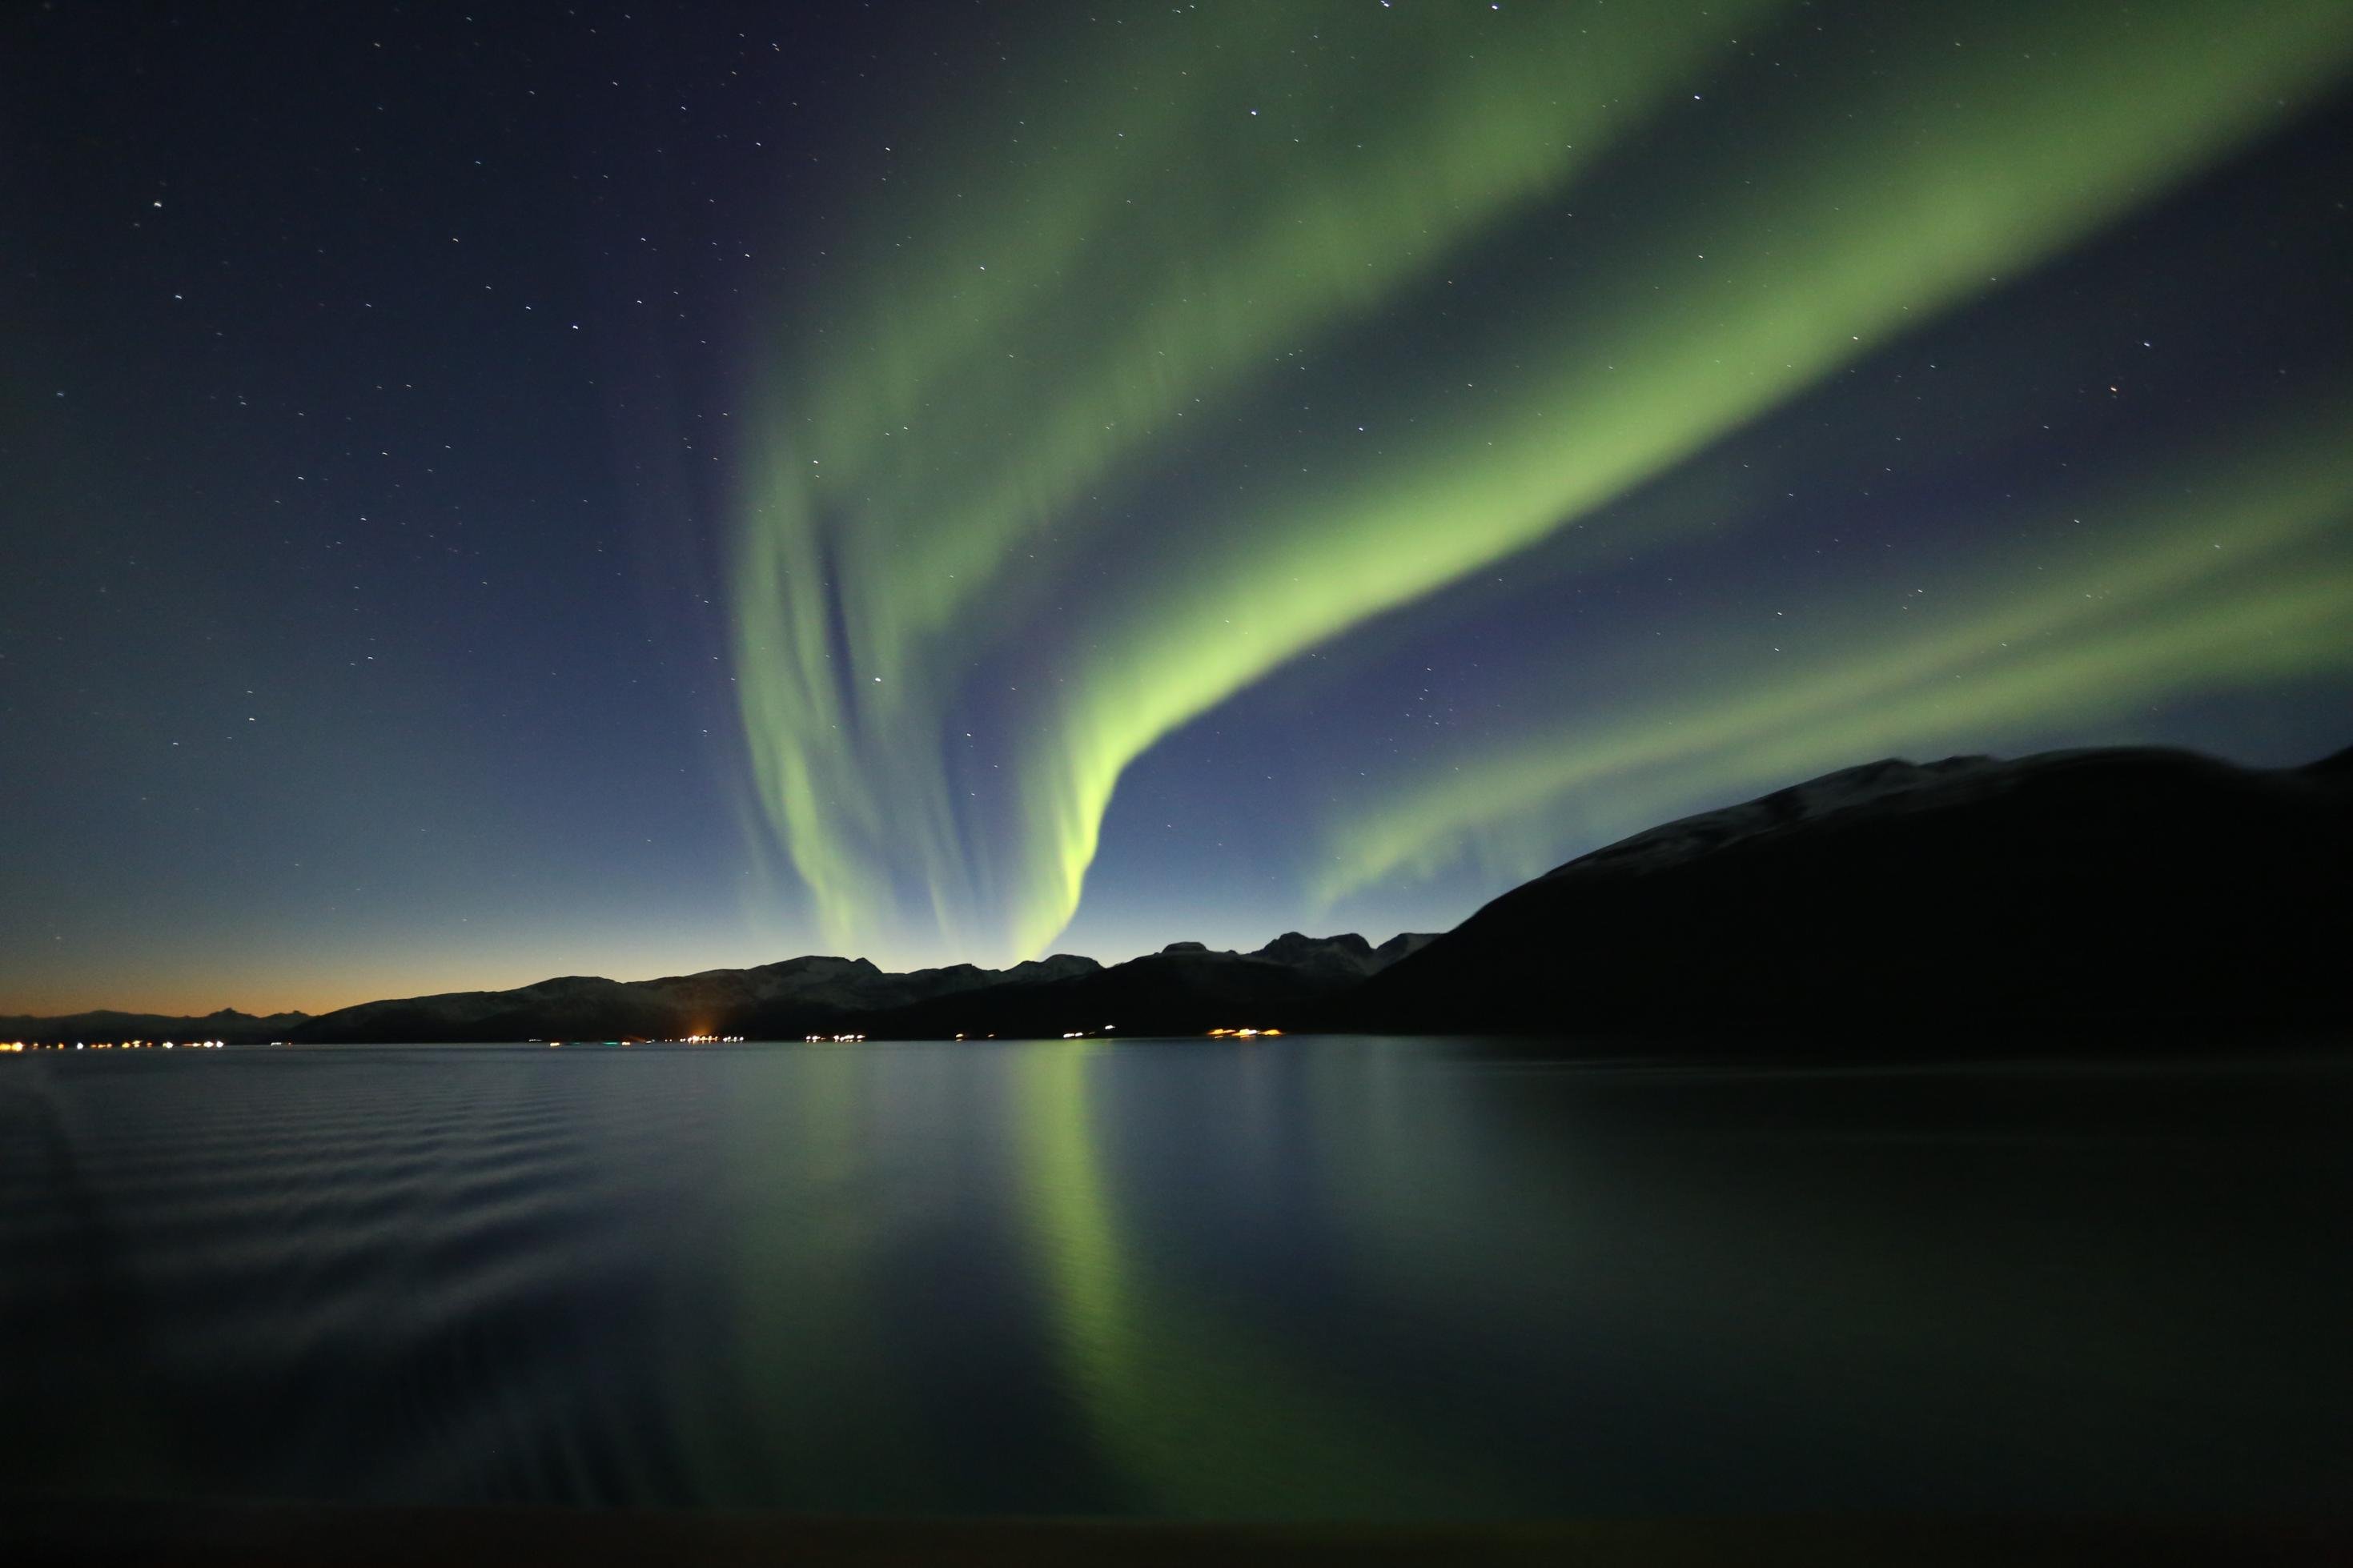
pixel 1293 1279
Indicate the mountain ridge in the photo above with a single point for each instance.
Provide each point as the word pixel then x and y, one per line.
pixel 1186 988
pixel 113 1023
pixel 2124 884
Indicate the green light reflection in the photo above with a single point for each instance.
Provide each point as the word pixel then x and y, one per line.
pixel 1202 1417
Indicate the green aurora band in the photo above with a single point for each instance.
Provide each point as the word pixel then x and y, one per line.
pixel 1033 338
pixel 2238 569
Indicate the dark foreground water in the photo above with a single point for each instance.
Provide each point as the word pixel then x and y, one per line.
pixel 1294 1279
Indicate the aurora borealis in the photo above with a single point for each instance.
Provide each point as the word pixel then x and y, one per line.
pixel 975 492
pixel 609 495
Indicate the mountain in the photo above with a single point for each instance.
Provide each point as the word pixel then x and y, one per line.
pixel 2132 886
pixel 1183 989
pixel 797 997
pixel 227 1023
pixel 1186 988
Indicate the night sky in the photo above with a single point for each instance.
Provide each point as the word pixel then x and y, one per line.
pixel 504 491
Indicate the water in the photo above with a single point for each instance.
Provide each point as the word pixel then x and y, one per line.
pixel 1295 1278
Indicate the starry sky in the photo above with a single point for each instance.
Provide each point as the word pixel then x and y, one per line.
pixel 489 492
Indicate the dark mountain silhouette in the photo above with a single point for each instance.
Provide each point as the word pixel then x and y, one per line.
pixel 1185 989
pixel 227 1023
pixel 796 996
pixel 2135 887
pixel 2138 887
